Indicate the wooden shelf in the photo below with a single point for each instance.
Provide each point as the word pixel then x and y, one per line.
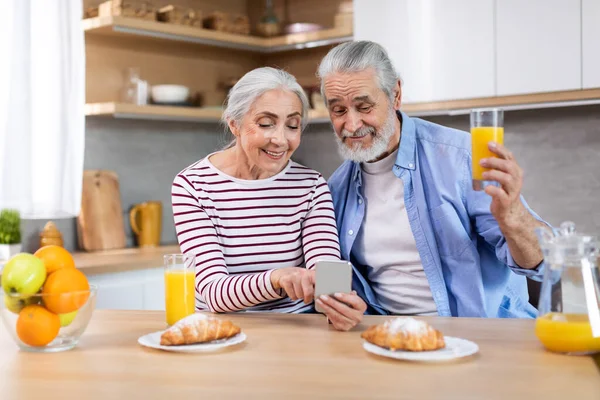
pixel 132 111
pixel 121 26
pixel 297 41
pixel 454 107
pixel 122 259
pixel 165 113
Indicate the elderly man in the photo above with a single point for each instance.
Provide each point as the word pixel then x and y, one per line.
pixel 421 240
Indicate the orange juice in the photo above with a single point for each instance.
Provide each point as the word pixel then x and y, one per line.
pixel 566 333
pixel 480 137
pixel 179 295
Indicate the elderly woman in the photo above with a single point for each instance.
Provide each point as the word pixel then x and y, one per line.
pixel 256 221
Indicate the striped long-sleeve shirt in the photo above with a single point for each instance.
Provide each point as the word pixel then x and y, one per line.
pixel 241 230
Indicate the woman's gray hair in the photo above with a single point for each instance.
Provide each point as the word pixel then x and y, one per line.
pixel 254 84
pixel 359 56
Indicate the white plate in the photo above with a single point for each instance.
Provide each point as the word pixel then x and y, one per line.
pixel 455 348
pixel 152 340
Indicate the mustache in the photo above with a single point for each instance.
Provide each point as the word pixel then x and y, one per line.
pixel 363 131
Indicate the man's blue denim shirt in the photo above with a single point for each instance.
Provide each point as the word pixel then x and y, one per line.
pixel 465 256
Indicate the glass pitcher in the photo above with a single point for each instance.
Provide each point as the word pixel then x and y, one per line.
pixel 569 306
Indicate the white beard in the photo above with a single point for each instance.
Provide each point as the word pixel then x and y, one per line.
pixel 379 144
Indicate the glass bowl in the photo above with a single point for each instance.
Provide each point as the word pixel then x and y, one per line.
pixel 34 328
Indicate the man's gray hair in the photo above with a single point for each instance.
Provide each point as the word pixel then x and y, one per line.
pixel 359 56
pixel 254 84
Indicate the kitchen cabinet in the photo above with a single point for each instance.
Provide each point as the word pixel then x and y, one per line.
pixel 154 290
pixel 590 34
pixel 538 46
pixel 442 50
pixel 130 290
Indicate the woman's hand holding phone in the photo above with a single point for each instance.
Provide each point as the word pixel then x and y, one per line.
pixel 344 310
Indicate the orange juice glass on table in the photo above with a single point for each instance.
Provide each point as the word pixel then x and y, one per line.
pixel 569 306
pixel 180 275
pixel 487 125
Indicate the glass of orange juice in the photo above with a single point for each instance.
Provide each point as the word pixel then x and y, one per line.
pixel 180 275
pixel 487 125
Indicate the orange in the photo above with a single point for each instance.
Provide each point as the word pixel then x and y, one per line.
pixel 65 290
pixel 37 326
pixel 55 258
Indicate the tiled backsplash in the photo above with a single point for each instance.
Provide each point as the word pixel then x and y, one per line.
pixel 559 149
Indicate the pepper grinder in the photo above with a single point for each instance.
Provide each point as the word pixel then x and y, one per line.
pixel 50 235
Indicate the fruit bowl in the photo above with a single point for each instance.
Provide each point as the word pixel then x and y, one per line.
pixel 35 328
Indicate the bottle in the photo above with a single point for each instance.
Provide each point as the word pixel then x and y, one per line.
pixel 135 90
pixel 269 23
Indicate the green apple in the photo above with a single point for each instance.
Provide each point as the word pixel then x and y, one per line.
pixel 16 304
pixel 66 319
pixel 24 274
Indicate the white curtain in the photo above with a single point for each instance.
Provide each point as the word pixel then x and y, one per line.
pixel 42 97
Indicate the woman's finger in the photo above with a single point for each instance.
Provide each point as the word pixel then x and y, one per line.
pixel 297 287
pixel 308 288
pixel 351 300
pixel 339 321
pixel 349 314
pixel 288 286
pixel 311 276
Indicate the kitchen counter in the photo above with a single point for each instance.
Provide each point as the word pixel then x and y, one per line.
pixel 100 262
pixel 293 356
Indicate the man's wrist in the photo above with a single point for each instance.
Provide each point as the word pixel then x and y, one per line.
pixel 516 222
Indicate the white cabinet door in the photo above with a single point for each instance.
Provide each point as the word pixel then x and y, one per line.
pixel 591 43
pixel 119 291
pixel 538 45
pixel 131 290
pixel 154 290
pixel 443 50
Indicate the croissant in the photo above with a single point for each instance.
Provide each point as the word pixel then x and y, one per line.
pixel 198 328
pixel 405 333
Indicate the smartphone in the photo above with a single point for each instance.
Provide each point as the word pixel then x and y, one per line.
pixel 332 277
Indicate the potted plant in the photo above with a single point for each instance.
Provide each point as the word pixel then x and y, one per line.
pixel 10 233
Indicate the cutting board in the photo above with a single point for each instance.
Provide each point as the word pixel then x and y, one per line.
pixel 100 223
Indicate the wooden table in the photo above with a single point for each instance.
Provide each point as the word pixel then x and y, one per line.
pixel 292 356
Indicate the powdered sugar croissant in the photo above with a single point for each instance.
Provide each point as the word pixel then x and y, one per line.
pixel 198 328
pixel 405 333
